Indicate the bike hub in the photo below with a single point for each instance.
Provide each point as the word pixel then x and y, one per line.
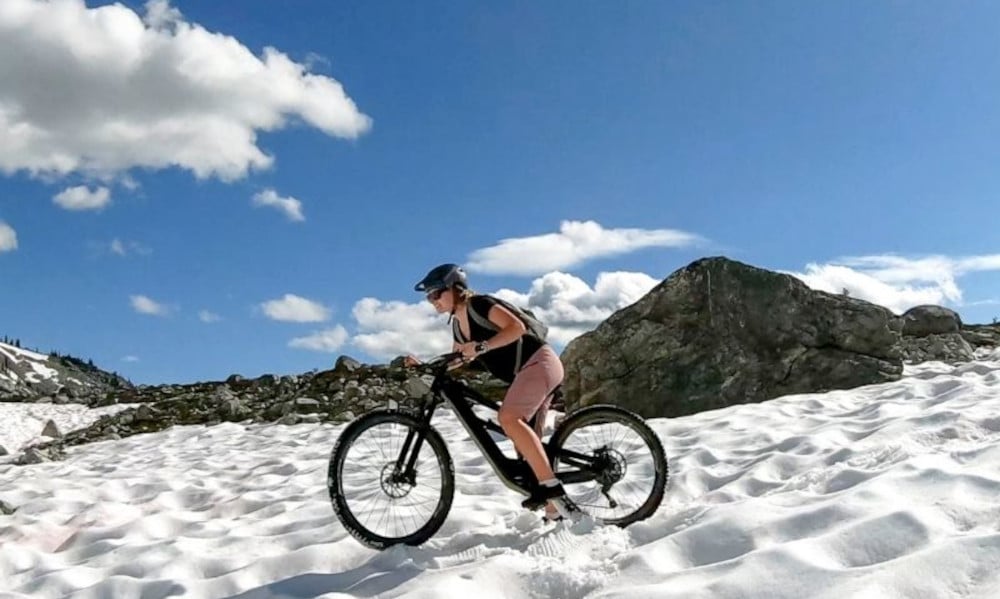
pixel 395 484
pixel 611 466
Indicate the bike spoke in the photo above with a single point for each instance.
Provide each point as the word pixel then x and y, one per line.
pixel 383 503
pixel 632 479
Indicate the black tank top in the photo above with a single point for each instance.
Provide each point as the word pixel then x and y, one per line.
pixel 502 362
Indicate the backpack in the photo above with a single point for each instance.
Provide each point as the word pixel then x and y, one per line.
pixel 535 327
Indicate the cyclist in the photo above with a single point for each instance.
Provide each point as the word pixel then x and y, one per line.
pixel 515 356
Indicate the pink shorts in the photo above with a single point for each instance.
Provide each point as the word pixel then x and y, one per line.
pixel 529 393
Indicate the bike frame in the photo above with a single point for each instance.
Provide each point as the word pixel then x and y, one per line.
pixel 515 473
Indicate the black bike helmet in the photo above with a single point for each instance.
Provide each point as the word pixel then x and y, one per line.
pixel 445 276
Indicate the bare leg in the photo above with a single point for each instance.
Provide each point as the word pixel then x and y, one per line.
pixel 527 443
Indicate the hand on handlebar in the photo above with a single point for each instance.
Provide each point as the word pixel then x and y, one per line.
pixel 442 363
pixel 468 350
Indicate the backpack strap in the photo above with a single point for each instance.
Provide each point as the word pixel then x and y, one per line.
pixel 486 323
pixel 481 320
pixel 456 331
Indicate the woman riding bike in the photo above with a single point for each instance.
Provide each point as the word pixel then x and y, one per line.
pixel 512 354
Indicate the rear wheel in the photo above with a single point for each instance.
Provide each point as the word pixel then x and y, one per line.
pixel 378 502
pixel 626 459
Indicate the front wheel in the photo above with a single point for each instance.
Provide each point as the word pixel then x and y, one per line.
pixel 611 464
pixel 376 495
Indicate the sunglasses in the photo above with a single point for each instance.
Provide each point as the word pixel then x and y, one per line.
pixel 433 296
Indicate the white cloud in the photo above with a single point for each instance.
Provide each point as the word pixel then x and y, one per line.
pixel 152 92
pixel 8 237
pixel 292 308
pixel 290 206
pixel 328 340
pixel 81 198
pixel 575 243
pixel 125 248
pixel 159 14
pixel 130 359
pixel 985 302
pixel 897 282
pixel 209 317
pixel 571 307
pixel 390 329
pixel 567 304
pixel 145 305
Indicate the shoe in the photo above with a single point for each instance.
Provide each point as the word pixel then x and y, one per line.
pixel 541 495
pixel 565 508
pixel 552 517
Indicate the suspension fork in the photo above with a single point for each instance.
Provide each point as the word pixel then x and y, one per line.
pixel 407 459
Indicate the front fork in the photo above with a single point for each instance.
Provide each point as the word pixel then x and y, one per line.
pixel 405 470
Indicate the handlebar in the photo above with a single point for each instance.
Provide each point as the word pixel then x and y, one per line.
pixel 440 364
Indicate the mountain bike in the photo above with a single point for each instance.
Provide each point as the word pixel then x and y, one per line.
pixel 391 479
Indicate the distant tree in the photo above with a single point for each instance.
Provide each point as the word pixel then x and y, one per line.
pixel 994 320
pixel 17 343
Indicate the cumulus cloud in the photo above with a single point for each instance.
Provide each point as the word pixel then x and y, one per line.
pixel 152 91
pixel 292 308
pixel 571 307
pixel 82 198
pixel 390 329
pixel 575 243
pixel 145 305
pixel 328 340
pixel 209 317
pixel 897 282
pixel 291 207
pixel 8 237
pixel 567 304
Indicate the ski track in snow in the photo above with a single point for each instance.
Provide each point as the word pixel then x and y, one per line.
pixel 887 490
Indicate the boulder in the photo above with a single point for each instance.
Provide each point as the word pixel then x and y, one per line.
pixel 719 332
pixel 416 387
pixel 51 430
pixel 346 365
pixel 46 387
pixel 921 321
pixel 306 405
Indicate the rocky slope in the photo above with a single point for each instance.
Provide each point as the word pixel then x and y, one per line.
pixel 30 376
pixel 336 395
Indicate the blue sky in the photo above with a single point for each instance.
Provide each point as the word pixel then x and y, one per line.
pixel 194 189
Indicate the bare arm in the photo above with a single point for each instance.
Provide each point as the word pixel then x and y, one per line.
pixel 510 330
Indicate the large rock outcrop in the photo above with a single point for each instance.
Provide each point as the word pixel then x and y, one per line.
pixel 719 332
